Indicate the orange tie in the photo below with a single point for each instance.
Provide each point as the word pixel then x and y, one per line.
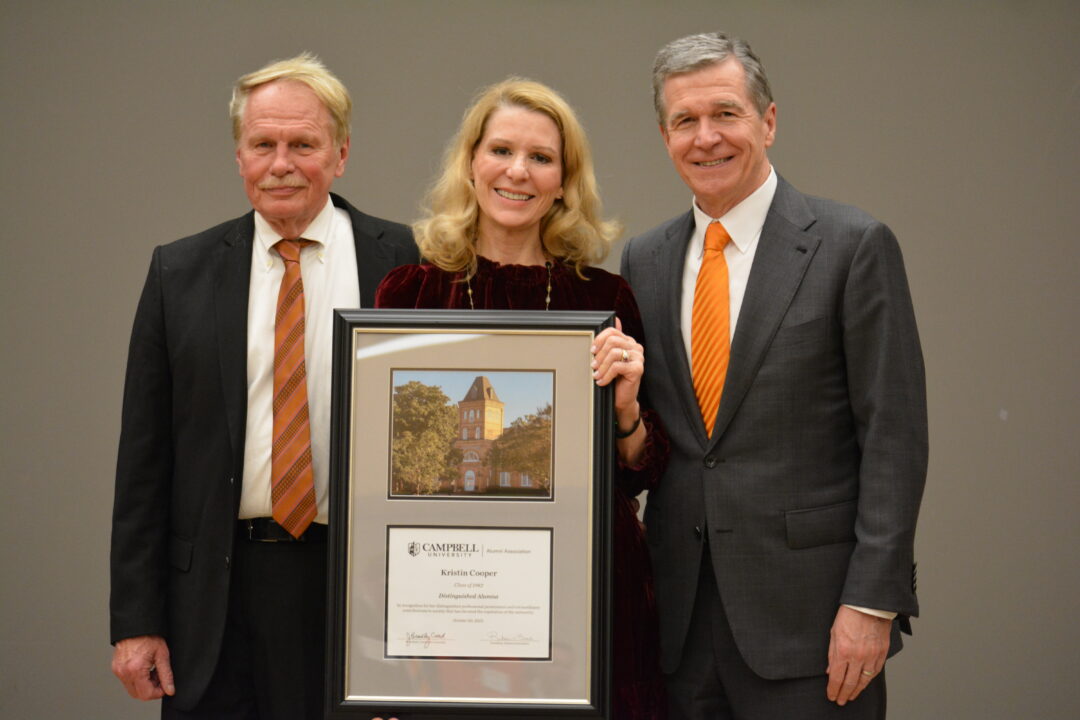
pixel 710 331
pixel 292 483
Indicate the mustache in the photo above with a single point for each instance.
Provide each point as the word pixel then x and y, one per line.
pixel 285 182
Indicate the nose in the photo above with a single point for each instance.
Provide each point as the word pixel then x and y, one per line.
pixel 282 164
pixel 517 169
pixel 708 134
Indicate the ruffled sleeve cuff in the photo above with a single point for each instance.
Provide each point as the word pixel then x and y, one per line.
pixel 645 474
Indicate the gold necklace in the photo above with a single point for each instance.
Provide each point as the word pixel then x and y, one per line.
pixel 547 298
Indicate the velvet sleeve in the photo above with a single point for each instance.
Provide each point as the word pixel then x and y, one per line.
pixel 646 473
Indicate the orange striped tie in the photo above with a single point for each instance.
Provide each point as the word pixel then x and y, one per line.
pixel 292 483
pixel 710 331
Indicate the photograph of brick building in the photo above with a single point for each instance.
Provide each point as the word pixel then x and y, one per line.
pixel 467 448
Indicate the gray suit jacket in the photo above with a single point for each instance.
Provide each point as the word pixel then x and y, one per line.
pixel 808 491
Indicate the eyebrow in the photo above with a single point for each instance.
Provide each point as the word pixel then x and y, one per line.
pixel 717 105
pixel 543 148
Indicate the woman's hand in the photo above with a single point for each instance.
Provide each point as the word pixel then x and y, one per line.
pixel 619 358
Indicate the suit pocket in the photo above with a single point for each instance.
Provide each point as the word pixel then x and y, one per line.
pixel 812 527
pixel 180 552
pixel 790 335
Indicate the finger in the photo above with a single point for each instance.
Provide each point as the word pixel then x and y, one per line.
pixel 603 361
pixel 134 673
pixel 146 687
pixel 611 337
pixel 850 684
pixel 607 335
pixel 836 678
pixel 165 674
pixel 601 348
pixel 619 361
pixel 866 676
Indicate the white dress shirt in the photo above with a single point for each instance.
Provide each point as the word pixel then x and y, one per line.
pixel 743 223
pixel 330 281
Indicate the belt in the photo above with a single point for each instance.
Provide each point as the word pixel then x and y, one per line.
pixel 265 529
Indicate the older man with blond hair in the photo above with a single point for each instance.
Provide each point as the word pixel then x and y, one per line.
pixel 219 523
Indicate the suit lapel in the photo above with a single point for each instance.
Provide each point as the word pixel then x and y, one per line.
pixel 784 252
pixel 230 309
pixel 670 258
pixel 372 259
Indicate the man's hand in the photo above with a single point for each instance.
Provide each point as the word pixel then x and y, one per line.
pixel 858 645
pixel 142 664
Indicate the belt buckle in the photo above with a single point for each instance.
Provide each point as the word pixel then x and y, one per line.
pixel 250 522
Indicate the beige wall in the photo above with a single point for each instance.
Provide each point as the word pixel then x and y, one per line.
pixel 954 122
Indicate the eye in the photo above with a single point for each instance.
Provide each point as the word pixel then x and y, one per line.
pixel 541 158
pixel 498 150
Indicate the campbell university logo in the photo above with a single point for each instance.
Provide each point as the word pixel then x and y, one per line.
pixel 444 549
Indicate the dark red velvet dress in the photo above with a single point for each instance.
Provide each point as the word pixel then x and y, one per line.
pixel 638 688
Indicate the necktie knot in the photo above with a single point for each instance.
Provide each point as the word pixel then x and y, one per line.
pixel 289 250
pixel 716 236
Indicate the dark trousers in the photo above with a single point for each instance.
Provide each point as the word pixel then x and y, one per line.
pixel 273 651
pixel 713 682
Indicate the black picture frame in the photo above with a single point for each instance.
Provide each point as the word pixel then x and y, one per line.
pixel 387 686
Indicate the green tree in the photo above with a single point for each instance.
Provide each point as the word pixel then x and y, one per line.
pixel 424 428
pixel 525 447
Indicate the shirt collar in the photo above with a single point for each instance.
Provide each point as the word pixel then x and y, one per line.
pixel 320 230
pixel 742 222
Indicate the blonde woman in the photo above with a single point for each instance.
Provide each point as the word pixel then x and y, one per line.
pixel 514 223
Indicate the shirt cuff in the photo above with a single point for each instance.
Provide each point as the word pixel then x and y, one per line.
pixel 885 614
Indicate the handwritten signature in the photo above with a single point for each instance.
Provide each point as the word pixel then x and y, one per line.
pixel 497 638
pixel 424 639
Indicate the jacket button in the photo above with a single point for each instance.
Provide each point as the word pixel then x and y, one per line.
pixel 710 461
pixel 228 561
pixel 697 531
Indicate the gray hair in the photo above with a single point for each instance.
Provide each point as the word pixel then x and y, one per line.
pixel 695 52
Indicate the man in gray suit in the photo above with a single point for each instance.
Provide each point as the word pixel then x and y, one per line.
pixel 782 533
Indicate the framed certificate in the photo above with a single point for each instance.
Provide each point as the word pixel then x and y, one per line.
pixel 471 470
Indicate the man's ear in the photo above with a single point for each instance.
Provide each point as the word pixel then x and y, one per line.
pixel 344 151
pixel 770 120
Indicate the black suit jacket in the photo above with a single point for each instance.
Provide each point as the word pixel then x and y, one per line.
pixel 181 453
pixel 808 490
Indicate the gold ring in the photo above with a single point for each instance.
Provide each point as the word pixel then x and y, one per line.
pixel 867 673
pixel 625 356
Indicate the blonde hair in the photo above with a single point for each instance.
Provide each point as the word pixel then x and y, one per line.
pixel 572 230
pixel 305 68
